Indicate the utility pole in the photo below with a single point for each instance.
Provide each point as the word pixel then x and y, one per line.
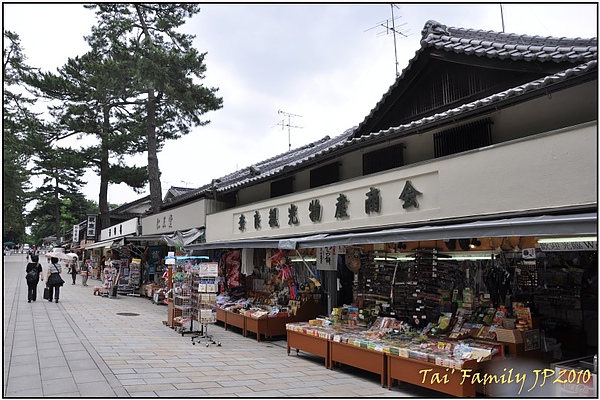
pixel 289 125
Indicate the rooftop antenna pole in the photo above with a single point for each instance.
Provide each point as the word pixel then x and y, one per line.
pixel 289 125
pixel 502 17
pixel 393 30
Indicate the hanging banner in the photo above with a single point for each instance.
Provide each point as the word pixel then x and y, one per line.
pixel 75 233
pixel 327 258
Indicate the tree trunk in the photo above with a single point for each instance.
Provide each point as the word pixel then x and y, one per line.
pixel 57 211
pixel 153 170
pixel 103 195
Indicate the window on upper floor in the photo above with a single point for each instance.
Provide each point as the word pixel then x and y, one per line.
pixel 383 159
pixel 282 187
pixel 325 175
pixel 462 138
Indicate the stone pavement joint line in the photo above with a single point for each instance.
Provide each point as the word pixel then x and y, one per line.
pixel 81 347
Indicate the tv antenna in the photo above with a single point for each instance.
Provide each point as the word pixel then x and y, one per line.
pixel 289 125
pixel 390 28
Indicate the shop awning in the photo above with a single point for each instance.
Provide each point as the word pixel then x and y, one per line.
pixel 106 243
pixel 179 238
pixel 544 225
pixel 145 238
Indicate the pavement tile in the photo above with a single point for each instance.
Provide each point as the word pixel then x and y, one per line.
pixel 146 387
pixel 96 389
pixel 85 364
pixel 57 386
pixel 85 376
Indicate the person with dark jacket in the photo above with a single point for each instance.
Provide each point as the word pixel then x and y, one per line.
pixel 36 269
pixel 54 279
pixel 74 270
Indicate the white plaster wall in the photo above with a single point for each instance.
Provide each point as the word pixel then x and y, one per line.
pixel 551 170
pixel 186 217
pixel 128 227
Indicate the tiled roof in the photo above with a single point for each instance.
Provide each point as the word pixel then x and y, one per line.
pixel 267 168
pixel 498 45
pixel 487 101
pixel 508 45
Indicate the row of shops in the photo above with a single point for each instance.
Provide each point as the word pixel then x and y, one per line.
pixel 461 233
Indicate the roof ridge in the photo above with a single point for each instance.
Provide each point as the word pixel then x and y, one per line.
pixel 433 27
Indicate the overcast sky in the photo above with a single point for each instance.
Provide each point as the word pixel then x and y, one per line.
pixel 326 64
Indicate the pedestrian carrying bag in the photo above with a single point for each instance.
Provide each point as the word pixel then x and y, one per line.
pixel 55 279
pixel 32 277
pixel 47 295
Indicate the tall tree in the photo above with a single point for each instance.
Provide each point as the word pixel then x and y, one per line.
pixel 166 63
pixel 18 121
pixel 61 171
pixel 95 94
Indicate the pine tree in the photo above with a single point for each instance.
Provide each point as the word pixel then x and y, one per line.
pixel 95 96
pixel 17 123
pixel 165 62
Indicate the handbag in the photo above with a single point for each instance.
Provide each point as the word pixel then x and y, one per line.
pixel 47 295
pixel 55 279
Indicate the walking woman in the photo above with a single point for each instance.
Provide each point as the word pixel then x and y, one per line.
pixel 33 271
pixel 54 280
pixel 74 270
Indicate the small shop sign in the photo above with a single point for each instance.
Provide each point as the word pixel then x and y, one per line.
pixel 569 246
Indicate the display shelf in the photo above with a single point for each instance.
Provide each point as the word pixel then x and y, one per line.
pixel 237 320
pixel 309 344
pixel 422 373
pixel 222 316
pixel 365 359
pixel 324 342
pixel 271 326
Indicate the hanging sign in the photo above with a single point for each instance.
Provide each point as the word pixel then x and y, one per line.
pixel 569 246
pixel 75 233
pixel 327 258
pixel 91 226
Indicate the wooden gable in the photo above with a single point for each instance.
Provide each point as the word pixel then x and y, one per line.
pixel 456 66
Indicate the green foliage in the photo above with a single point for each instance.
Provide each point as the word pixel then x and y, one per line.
pixel 17 123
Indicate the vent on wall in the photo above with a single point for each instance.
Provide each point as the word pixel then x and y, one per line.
pixel 462 138
pixel 383 159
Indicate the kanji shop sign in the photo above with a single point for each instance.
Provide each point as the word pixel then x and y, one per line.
pixel 315 210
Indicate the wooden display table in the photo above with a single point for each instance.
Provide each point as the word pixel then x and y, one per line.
pixel 268 327
pixel 310 344
pixel 413 371
pixel 359 357
pixel 257 325
pixel 237 320
pixel 222 316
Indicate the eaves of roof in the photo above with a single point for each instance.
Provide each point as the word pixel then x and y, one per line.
pixel 493 44
pixel 130 204
pixel 264 169
pixel 495 100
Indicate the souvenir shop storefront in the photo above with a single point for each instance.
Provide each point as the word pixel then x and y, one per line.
pixel 516 288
